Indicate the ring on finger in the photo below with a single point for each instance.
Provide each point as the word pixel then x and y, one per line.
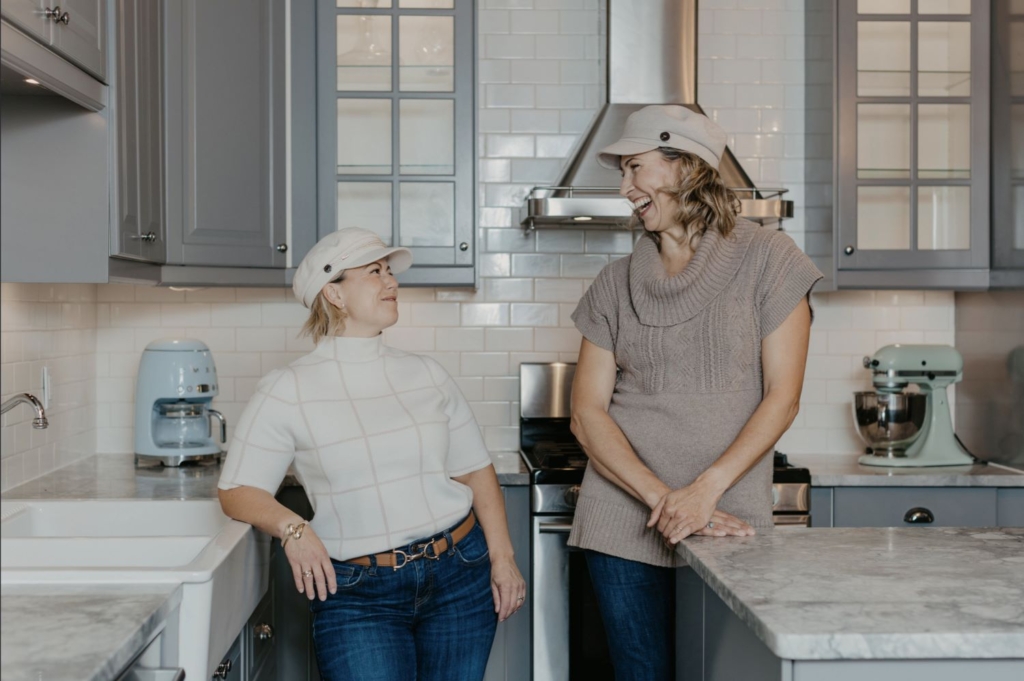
pixel 307 573
pixel 711 524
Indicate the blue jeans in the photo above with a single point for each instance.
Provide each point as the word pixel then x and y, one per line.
pixel 431 619
pixel 637 604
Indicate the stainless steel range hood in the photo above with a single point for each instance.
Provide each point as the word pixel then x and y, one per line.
pixel 644 67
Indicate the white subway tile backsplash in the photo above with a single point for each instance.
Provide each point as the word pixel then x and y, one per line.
pixel 561 47
pixel 534 314
pixel 508 289
pixel 502 46
pixel 509 340
pixel 510 96
pixel 583 266
pixel 558 290
pixel 560 97
pixel 484 364
pixel 534 121
pixel 435 314
pixel 538 21
pixel 510 146
pixel 485 314
pixel 535 265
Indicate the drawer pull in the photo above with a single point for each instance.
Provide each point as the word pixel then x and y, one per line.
pixel 263 632
pixel 919 516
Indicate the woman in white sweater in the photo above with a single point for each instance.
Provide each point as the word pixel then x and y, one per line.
pixel 407 504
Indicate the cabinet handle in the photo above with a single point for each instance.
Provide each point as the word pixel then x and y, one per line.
pixel 263 632
pixel 919 516
pixel 148 237
pixel 223 669
pixel 848 250
pixel 463 246
pixel 282 248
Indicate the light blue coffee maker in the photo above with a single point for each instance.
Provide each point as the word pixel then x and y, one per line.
pixel 176 384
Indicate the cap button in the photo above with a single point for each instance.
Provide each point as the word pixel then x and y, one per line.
pixel 327 268
pixel 664 136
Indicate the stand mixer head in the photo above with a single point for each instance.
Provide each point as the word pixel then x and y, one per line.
pixel 906 429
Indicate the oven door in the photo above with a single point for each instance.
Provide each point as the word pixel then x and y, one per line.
pixel 569 641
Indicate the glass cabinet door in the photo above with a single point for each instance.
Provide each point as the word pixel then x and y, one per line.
pixel 396 103
pixel 913 180
pixel 1008 135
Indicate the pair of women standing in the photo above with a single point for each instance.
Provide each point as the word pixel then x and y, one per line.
pixel 690 370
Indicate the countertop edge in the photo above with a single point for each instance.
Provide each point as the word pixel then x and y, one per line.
pixel 135 643
pixel 810 647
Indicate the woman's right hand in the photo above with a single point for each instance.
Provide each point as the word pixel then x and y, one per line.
pixel 725 525
pixel 311 565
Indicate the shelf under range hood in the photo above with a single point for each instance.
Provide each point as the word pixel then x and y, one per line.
pixel 644 68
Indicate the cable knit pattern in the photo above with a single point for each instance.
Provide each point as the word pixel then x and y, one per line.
pixel 688 349
pixel 376 434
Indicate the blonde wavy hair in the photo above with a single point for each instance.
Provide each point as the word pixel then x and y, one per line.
pixel 704 202
pixel 325 318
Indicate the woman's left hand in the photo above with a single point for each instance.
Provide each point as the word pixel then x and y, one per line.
pixel 507 587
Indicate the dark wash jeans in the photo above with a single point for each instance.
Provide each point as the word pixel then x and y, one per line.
pixel 431 619
pixel 637 604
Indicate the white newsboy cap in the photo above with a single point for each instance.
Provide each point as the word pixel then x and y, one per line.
pixel 666 125
pixel 343 250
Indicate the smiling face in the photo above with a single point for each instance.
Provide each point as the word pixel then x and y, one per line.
pixel 369 297
pixel 643 176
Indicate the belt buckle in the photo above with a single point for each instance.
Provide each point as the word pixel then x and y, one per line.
pixel 432 544
pixel 406 558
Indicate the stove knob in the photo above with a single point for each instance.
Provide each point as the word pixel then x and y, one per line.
pixel 571 496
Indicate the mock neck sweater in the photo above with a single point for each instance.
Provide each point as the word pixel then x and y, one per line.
pixel 688 352
pixel 376 435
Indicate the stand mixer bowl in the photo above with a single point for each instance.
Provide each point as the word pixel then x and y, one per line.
pixel 889 422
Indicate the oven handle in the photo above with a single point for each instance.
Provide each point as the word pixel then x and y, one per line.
pixel 555 528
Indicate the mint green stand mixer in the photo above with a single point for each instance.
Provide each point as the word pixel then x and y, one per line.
pixel 910 429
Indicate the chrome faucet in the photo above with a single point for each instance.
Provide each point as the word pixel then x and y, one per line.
pixel 39 422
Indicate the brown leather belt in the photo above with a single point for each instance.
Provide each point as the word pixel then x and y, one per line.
pixel 397 558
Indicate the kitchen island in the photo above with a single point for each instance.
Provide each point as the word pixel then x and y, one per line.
pixel 853 603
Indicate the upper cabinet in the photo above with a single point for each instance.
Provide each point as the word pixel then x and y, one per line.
pixel 913 182
pixel 76 29
pixel 216 140
pixel 1008 143
pixel 396 139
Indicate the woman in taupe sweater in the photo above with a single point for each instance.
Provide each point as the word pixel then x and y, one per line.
pixel 690 370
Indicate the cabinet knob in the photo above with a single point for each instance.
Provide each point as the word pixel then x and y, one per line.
pixel 57 16
pixel 571 496
pixel 919 516
pixel 263 632
pixel 848 250
pixel 223 669
pixel 463 246
pixel 282 248
pixel 148 237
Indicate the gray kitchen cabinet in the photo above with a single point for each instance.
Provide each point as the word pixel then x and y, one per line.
pixel 29 16
pixel 1010 507
pixel 892 506
pixel 81 34
pixel 821 507
pixel 139 218
pixel 1008 145
pixel 75 29
pixel 232 667
pixel 226 165
pixel 912 182
pixel 396 136
pixel 510 658
pixel 260 636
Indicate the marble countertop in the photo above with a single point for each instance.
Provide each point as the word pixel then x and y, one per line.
pixel 115 476
pixel 843 471
pixel 81 632
pixel 872 593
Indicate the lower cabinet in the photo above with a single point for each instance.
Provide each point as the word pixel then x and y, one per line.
pixel 252 656
pixel 917 506
pixel 293 652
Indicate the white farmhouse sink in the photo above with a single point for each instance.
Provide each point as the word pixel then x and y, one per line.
pixel 222 564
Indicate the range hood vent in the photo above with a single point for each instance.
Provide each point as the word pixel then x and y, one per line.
pixel 644 68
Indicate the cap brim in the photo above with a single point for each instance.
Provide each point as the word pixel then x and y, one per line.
pixel 611 156
pixel 399 259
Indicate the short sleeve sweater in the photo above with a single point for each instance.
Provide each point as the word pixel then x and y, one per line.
pixel 376 435
pixel 688 352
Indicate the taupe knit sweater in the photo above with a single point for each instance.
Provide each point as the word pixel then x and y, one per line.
pixel 688 349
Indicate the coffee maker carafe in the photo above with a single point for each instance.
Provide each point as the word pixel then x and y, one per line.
pixel 176 384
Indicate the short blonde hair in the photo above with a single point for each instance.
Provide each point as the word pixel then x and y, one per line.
pixel 704 202
pixel 325 318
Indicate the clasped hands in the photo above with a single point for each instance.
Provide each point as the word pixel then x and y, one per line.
pixel 692 510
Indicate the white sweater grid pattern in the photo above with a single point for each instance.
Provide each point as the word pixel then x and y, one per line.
pixel 376 461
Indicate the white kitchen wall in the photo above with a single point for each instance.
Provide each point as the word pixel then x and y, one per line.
pixel 51 325
pixel 763 74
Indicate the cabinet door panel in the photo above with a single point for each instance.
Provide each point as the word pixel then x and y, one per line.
pixel 226 133
pixel 888 506
pixel 30 17
pixel 83 38
pixel 1010 507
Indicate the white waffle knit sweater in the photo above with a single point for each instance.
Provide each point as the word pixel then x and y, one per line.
pixel 376 435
